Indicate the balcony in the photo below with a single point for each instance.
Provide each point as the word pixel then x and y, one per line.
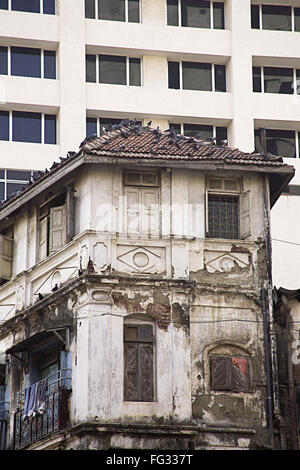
pixel 51 417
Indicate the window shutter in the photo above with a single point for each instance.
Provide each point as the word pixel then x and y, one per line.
pixel 245 221
pixel 150 211
pixel 220 373
pixel 146 359
pixel 131 388
pixel 70 202
pixel 6 252
pixel 43 238
pixel 240 374
pixel 133 210
pixel 58 229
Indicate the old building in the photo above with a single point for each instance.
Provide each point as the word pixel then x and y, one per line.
pixel 136 297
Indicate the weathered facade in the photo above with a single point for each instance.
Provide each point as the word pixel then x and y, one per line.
pixel 136 297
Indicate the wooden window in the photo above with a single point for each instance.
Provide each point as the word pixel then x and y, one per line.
pixel 138 363
pixel 142 202
pixel 6 254
pixel 56 223
pixel 230 373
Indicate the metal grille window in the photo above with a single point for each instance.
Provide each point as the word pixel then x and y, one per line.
pixel 138 363
pixel 195 14
pixel 223 216
pixel 229 373
pixel 227 209
pixel 113 10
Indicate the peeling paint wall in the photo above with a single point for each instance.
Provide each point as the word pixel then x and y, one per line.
pixel 200 295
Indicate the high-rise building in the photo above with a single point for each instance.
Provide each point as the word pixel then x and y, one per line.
pixel 224 70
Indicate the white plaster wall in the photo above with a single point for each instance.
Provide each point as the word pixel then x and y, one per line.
pixel 285 242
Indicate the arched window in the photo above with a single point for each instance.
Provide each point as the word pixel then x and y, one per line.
pixel 138 360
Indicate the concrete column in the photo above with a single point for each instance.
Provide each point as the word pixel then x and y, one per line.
pixel 241 130
pixel 154 12
pixel 71 75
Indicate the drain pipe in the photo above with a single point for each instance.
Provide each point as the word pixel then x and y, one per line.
pixel 267 365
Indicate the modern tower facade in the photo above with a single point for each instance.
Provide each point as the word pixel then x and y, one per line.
pixel 219 69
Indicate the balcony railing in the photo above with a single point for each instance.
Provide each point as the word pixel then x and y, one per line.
pixel 53 417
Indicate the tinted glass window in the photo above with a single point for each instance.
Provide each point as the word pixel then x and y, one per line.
pixel 255 16
pixel 3 4
pixel 26 127
pixel 278 80
pixel 112 69
pixel 176 128
pixel 25 62
pixel 18 175
pixel 90 9
pixel 91 126
pixel 50 129
pixel 11 188
pixel 106 123
pixel 49 64
pixel 221 135
pixel 256 79
pixel 281 142
pixel 49 7
pixel 111 10
pixel 133 11
pixel 134 72
pixel 32 6
pixel 4 125
pixel 276 17
pixel 2 189
pixel 220 78
pixel 195 13
pixel 298 82
pixel 173 75
pixel 172 12
pixel 297 19
pixel 218 15
pixel 2 174
pixel 196 76
pixel 3 61
pixel 197 130
pixel 90 68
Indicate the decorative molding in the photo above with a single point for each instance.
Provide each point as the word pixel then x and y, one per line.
pixel 141 259
pixel 225 261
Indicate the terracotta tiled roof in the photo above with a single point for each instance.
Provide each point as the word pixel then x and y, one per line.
pixel 132 141
pixel 129 140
